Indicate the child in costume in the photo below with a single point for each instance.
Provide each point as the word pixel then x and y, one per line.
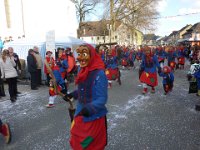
pixel 53 92
pixel 49 60
pixel 89 129
pixel 168 79
pixel 148 70
pixel 57 86
pixel 5 131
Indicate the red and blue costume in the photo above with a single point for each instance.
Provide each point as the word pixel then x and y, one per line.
pixel 63 65
pixel 181 57
pixel 168 79
pixel 89 129
pixel 171 57
pixel 149 72
pixel 161 54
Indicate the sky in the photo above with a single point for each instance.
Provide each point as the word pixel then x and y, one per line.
pixel 60 15
pixel 171 8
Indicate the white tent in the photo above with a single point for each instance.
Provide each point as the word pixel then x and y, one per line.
pixel 21 46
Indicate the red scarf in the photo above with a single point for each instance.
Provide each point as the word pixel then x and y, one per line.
pixel 95 63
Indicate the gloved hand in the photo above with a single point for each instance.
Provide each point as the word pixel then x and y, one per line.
pixel 65 98
pixel 70 95
pixel 85 112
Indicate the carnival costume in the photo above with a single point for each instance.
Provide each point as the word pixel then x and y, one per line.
pixel 89 129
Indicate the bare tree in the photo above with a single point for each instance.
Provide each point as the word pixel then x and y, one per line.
pixel 83 8
pixel 138 14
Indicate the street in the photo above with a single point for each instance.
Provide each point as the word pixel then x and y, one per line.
pixel 135 121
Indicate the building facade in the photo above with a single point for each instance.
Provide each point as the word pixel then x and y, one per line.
pixel 99 32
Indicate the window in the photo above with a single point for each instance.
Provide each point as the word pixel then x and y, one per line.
pixel 129 36
pixel 116 37
pixel 97 37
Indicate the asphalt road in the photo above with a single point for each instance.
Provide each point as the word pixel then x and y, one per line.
pixel 135 122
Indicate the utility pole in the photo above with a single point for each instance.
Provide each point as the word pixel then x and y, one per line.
pixel 7 11
pixel 22 10
pixel 111 19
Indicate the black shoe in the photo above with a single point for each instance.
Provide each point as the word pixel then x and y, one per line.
pixel 13 99
pixel 19 92
pixel 34 89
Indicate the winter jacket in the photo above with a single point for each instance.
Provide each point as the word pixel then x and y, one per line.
pixel 38 60
pixel 31 61
pixel 8 68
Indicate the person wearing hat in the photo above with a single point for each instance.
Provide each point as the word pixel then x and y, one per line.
pixel 48 62
pixel 148 67
pixel 89 128
pixel 168 79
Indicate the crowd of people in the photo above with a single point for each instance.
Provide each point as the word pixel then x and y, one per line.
pixel 97 69
pixel 153 61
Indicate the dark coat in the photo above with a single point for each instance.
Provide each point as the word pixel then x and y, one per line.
pixel 31 61
pixel 17 61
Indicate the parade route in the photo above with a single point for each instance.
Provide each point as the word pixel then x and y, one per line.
pixel 135 121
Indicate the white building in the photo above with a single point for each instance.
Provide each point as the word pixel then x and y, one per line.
pixel 39 16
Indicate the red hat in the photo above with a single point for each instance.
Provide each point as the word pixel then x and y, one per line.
pixel 166 69
pixel 49 52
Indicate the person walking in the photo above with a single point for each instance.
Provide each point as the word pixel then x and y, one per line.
pixel 32 68
pixel 148 67
pixel 8 71
pixel 89 128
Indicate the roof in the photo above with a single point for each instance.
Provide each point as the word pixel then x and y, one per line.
pixel 150 37
pixel 173 33
pixel 194 28
pixel 185 27
pixel 96 28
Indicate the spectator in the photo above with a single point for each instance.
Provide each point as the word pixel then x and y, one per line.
pixel 8 71
pixel 39 65
pixel 5 131
pixel 17 61
pixel 32 68
pixel 2 92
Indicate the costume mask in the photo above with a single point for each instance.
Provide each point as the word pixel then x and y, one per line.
pixel 83 55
